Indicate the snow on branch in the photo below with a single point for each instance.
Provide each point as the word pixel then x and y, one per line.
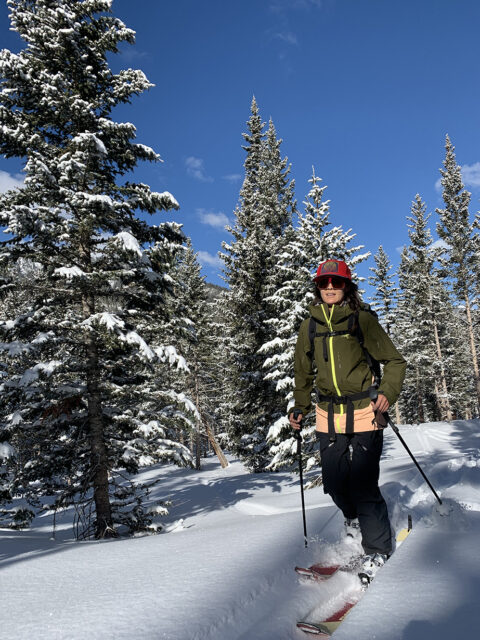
pixel 70 272
pixel 15 348
pixel 6 451
pixel 168 354
pixel 132 337
pixel 32 374
pixel 181 398
pixel 90 141
pixel 111 321
pixel 127 241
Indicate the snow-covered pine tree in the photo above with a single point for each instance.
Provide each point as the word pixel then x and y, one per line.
pixel 81 353
pixel 413 342
pixel 461 256
pixel 385 291
pixel 435 300
pixel 427 325
pixel 199 347
pixel 310 243
pixel 251 272
pixel 384 299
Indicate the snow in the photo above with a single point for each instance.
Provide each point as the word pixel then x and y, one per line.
pixel 223 568
pixel 32 374
pixel 6 450
pixel 128 241
pixel 70 272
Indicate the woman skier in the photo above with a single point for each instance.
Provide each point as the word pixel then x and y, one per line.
pixel 345 341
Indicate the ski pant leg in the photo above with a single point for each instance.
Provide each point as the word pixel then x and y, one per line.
pixel 365 494
pixel 336 463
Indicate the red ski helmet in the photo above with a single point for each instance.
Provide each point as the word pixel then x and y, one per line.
pixel 333 268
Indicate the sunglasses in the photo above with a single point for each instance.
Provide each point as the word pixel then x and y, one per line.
pixel 337 283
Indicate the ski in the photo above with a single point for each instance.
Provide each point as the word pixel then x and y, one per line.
pixel 317 571
pixel 325 628
pixel 320 572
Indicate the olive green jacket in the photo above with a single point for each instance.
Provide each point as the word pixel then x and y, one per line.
pixel 345 372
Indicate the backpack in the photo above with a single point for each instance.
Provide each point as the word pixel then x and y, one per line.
pixel 353 329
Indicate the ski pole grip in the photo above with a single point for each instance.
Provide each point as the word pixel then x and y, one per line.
pixel 296 413
pixel 373 394
pixel 297 432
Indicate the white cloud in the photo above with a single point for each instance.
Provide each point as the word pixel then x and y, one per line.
pixel 438 186
pixel 233 177
pixel 132 55
pixel 196 169
pixel 288 37
pixel 207 260
pixel 217 220
pixel 471 174
pixel 9 181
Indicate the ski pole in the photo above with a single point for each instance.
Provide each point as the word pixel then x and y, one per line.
pixel 373 397
pixel 397 431
pixel 298 437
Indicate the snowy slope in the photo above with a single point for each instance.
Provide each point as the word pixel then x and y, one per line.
pixel 225 572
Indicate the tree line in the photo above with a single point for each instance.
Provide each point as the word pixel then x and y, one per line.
pixel 116 354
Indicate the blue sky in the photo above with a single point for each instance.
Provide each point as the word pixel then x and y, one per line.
pixel 364 90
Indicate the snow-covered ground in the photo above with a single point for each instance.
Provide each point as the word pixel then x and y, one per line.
pixel 224 570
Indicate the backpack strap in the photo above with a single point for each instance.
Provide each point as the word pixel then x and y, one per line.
pixel 354 329
pixel 312 334
pixel 373 364
pixel 312 329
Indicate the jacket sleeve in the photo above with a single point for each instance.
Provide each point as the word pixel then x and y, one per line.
pixel 304 374
pixel 379 345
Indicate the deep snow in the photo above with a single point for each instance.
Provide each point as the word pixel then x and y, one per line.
pixel 224 570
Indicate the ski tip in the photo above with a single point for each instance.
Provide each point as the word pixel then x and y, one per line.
pixel 325 628
pixel 313 629
pixel 402 534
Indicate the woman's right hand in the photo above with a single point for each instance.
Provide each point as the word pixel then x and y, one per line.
pixel 295 423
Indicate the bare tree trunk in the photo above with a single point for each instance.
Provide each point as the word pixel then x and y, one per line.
pixel 398 417
pixel 216 447
pixel 98 451
pixel 473 349
pixel 198 451
pixel 197 434
pixel 421 413
pixel 442 394
pixel 192 444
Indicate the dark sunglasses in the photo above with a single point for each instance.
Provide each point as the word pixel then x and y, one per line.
pixel 337 283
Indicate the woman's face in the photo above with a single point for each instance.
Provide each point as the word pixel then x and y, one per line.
pixel 332 296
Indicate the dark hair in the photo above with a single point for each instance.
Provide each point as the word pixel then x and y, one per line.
pixel 351 296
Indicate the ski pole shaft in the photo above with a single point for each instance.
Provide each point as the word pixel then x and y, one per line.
pixel 298 436
pixel 397 432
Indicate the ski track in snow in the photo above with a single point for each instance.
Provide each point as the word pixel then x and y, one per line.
pixel 224 570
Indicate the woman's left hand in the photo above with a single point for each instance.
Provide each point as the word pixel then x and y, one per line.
pixel 381 404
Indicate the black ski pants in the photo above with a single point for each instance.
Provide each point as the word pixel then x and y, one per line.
pixel 350 470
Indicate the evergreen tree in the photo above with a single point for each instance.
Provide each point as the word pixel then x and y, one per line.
pixel 309 244
pixel 460 260
pixel 428 331
pixel 82 351
pixel 200 348
pixel 262 218
pixel 384 298
pixel 412 338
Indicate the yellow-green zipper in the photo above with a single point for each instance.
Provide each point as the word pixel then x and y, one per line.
pixel 334 374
